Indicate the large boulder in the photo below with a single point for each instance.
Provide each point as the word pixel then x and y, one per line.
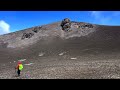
pixel 66 24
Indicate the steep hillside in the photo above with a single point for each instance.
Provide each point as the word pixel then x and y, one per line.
pixel 62 43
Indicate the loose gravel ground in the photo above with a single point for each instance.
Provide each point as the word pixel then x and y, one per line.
pixel 69 69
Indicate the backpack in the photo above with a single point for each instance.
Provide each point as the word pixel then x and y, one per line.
pixel 20 66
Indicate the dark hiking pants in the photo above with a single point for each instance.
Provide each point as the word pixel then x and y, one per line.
pixel 18 72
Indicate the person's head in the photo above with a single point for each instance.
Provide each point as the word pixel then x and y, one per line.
pixel 19 62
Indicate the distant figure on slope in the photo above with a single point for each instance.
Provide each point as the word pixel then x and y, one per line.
pixel 19 67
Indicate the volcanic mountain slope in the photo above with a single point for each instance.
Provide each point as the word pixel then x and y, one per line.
pixel 52 49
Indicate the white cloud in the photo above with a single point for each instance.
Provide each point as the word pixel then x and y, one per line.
pixel 116 13
pixel 96 14
pixel 105 17
pixel 4 27
pixel 99 17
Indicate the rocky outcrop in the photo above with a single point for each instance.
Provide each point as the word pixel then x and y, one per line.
pixel 86 26
pixel 36 29
pixel 66 24
pixel 27 35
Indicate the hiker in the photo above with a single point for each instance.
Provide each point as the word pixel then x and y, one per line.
pixel 19 67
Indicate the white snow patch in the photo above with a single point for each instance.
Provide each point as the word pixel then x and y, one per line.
pixel 41 54
pixel 62 53
pixel 29 64
pixel 73 58
pixel 22 60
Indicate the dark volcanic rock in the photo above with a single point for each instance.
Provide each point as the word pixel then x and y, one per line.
pixel 86 26
pixel 36 29
pixel 27 35
pixel 66 24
